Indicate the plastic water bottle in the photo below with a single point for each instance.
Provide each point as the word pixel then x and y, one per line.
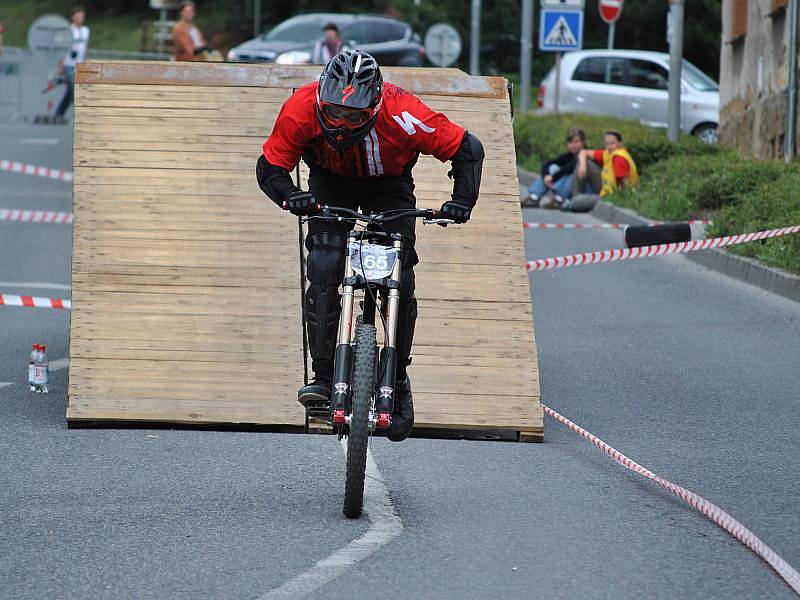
pixel 32 366
pixel 42 372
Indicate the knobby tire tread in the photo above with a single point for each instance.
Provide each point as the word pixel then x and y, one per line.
pixel 363 385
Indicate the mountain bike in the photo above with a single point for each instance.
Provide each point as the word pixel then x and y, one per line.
pixel 362 399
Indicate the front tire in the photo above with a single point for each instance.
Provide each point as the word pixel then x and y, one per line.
pixel 707 133
pixel 363 385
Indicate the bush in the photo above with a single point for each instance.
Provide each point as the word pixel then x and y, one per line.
pixel 685 181
pixel 771 205
pixel 687 186
pixel 541 137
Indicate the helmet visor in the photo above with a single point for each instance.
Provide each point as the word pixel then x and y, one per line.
pixel 343 116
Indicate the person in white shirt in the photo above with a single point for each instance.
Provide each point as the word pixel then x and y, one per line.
pixel 76 54
pixel 328 47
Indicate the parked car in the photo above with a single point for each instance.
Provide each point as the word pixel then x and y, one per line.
pixel 632 84
pixel 390 41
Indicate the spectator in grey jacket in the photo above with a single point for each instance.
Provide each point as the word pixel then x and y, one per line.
pixel 554 184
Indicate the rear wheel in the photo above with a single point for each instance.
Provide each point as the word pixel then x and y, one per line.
pixel 363 384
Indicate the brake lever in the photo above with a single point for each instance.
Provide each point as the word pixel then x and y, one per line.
pixel 442 222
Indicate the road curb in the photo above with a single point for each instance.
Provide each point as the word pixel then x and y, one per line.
pixel 748 270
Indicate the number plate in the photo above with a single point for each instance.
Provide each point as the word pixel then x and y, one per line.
pixel 372 261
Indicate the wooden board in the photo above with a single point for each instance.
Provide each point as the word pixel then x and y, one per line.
pixel 185 277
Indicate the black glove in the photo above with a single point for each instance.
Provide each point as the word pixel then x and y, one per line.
pixel 456 211
pixel 300 203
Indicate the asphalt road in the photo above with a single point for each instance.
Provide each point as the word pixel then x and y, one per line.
pixel 690 373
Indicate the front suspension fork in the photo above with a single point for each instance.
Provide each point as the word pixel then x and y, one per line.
pixel 343 360
pixel 388 361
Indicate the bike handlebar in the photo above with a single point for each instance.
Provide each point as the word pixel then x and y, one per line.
pixel 428 214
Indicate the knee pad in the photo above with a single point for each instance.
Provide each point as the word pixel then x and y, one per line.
pixel 325 263
pixel 322 320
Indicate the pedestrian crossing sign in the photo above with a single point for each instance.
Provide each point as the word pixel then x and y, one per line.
pixel 560 30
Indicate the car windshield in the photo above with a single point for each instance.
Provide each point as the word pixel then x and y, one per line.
pixel 298 30
pixel 697 79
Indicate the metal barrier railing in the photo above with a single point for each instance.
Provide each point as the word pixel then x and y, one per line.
pixel 100 54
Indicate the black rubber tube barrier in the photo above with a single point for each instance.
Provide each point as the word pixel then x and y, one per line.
pixel 647 235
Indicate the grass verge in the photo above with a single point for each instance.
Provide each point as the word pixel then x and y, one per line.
pixel 688 180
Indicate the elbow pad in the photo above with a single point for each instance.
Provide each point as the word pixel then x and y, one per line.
pixel 467 167
pixel 274 181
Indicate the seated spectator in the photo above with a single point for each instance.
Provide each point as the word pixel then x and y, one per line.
pixel 556 175
pixel 601 172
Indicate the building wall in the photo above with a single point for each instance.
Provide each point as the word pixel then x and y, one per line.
pixel 753 78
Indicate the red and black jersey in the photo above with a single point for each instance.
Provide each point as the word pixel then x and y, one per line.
pixel 404 128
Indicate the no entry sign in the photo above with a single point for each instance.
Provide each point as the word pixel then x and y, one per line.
pixel 610 10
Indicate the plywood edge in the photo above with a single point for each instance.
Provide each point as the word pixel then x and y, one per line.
pixel 429 81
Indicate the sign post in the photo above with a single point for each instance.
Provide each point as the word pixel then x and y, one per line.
pixel 675 63
pixel 610 11
pixel 442 44
pixel 560 30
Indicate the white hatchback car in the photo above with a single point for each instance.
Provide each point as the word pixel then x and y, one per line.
pixel 632 84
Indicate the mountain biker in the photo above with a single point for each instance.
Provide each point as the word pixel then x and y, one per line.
pixel 360 138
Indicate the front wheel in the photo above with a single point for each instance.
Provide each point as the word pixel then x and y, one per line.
pixel 363 385
pixel 707 133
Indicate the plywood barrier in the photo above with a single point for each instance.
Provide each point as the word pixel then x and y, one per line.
pixel 185 277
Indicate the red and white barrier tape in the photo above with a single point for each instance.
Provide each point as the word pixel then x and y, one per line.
pixel 35 216
pixel 710 510
pixel 25 169
pixel 34 301
pixel 535 225
pixel 604 256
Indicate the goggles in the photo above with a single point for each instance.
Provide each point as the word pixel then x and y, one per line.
pixel 343 116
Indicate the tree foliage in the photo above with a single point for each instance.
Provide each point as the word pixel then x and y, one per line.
pixel 642 25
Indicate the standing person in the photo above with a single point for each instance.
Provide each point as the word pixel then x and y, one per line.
pixel 361 138
pixel 555 182
pixel 76 55
pixel 328 47
pixel 188 42
pixel 1 36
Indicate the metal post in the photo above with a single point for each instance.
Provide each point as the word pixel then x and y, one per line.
pixel 526 56
pixel 162 29
pixel 792 112
pixel 558 82
pixel 256 17
pixel 675 64
pixel 611 31
pixel 475 39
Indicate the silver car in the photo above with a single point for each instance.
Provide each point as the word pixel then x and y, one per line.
pixel 632 84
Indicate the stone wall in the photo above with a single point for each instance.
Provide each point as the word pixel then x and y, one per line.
pixel 754 76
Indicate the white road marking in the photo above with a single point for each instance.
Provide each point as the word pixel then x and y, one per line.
pixel 40 141
pixel 5 384
pixel 35 285
pixel 384 526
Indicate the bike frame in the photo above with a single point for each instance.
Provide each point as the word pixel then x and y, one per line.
pixel 389 290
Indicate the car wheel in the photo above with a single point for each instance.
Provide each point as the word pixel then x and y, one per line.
pixel 707 133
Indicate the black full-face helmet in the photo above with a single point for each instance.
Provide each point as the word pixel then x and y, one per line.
pixel 349 97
